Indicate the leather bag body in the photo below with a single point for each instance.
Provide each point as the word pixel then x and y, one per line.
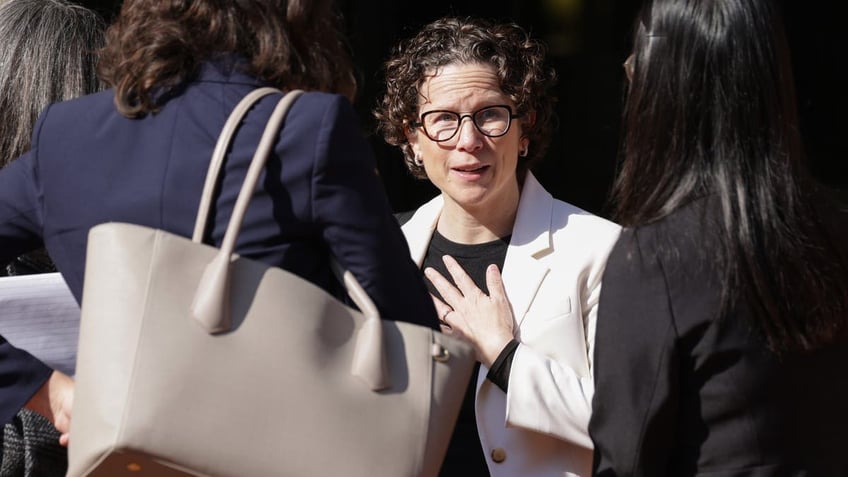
pixel 195 361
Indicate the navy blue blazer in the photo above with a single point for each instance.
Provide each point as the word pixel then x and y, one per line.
pixel 319 194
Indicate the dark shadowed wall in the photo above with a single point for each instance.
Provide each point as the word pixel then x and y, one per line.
pixel 588 40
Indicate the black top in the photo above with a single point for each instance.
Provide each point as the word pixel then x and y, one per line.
pixel 679 392
pixel 475 259
pixel 465 455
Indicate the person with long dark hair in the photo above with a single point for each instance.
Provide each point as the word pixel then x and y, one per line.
pixel 721 337
pixel 138 153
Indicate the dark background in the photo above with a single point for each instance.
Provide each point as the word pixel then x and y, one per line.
pixel 588 40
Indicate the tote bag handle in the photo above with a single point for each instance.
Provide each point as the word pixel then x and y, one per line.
pixel 211 304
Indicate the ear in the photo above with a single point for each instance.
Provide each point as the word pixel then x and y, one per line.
pixel 527 123
pixel 412 138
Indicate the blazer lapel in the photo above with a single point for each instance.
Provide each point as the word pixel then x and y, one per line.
pixel 523 272
pixel 419 229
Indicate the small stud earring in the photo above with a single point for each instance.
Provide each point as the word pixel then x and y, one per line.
pixel 418 161
pixel 524 151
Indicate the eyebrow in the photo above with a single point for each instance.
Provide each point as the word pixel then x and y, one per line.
pixel 504 101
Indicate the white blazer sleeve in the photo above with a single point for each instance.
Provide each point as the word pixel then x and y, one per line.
pixel 548 396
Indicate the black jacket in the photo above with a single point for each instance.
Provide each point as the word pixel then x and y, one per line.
pixel 680 392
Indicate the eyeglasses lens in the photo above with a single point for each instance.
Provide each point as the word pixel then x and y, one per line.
pixel 491 121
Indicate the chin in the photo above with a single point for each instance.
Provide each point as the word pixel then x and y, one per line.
pixel 471 200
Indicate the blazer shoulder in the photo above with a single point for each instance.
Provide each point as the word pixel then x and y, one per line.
pixel 331 120
pixel 682 236
pixel 319 104
pixel 80 111
pixel 568 220
pixel 564 211
pixel 423 218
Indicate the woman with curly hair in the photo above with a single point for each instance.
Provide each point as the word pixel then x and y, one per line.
pixel 139 152
pixel 469 104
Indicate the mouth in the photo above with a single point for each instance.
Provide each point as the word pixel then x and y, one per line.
pixel 471 169
pixel 470 173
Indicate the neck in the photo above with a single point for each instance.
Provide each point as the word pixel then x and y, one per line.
pixel 474 225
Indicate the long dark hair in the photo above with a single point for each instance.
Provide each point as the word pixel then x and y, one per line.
pixel 155 46
pixel 711 111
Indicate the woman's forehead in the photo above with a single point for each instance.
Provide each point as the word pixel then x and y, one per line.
pixel 464 83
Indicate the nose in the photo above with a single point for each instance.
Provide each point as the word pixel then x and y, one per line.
pixel 470 139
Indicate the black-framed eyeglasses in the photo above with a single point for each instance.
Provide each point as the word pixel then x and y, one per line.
pixel 491 121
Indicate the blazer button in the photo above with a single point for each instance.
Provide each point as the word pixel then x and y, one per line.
pixel 498 455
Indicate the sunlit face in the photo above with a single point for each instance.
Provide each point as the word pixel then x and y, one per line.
pixel 473 171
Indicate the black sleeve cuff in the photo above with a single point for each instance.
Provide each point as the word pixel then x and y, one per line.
pixel 499 372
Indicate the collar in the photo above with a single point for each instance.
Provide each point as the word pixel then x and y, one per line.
pixel 531 232
pixel 228 68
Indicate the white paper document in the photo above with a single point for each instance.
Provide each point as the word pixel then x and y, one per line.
pixel 38 313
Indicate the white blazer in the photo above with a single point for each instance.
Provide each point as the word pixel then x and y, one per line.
pixel 552 275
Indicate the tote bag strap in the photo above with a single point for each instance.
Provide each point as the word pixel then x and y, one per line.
pixel 211 307
pixel 218 155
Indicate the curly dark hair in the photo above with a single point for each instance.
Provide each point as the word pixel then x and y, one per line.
pixel 519 62
pixel 155 46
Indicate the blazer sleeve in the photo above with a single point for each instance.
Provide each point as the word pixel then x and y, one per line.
pixel 20 209
pixel 636 398
pixel 548 394
pixel 21 374
pixel 350 205
pixel 554 399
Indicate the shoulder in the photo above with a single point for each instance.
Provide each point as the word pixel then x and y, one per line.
pixel 423 218
pixel 685 235
pixel 82 110
pixel 539 211
pixel 574 228
pixel 62 126
pixel 94 100
pixel 568 215
pixel 678 253
pixel 327 107
pixel 331 122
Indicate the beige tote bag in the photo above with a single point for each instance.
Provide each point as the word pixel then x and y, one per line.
pixel 195 361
